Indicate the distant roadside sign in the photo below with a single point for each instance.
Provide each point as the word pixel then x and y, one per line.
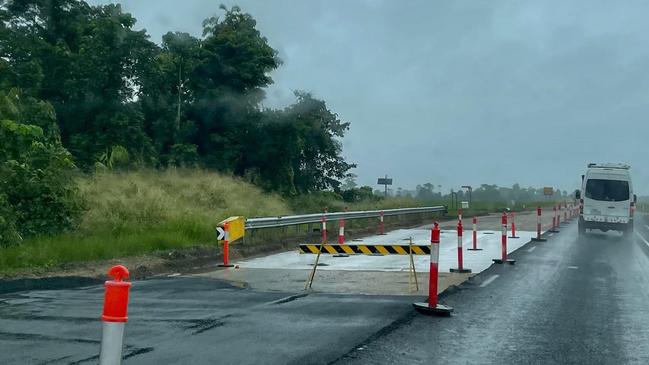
pixel 548 191
pixel 384 181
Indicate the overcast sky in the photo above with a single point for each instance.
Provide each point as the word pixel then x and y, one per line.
pixel 459 92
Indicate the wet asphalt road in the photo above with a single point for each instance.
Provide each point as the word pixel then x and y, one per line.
pixel 568 301
pixel 192 320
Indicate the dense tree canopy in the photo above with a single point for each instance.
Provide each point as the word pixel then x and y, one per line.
pixel 190 101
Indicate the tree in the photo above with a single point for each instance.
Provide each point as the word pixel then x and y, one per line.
pixel 349 182
pixel 87 62
pixel 37 190
pixel 190 102
pixel 166 94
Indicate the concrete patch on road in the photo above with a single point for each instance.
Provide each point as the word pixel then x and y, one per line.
pixel 365 274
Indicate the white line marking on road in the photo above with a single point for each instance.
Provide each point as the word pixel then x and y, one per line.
pixel 531 249
pixel 573 267
pixel 643 239
pixel 489 281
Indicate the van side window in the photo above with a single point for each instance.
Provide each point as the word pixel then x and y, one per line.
pixel 607 190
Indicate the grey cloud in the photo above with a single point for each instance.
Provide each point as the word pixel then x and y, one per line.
pixel 456 92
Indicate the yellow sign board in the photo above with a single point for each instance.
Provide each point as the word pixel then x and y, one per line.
pixel 236 228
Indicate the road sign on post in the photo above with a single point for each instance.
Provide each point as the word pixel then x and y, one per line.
pixel 385 181
pixel 470 190
pixel 548 191
pixel 236 229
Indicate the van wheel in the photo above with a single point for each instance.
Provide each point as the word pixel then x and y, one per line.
pixel 628 230
pixel 581 228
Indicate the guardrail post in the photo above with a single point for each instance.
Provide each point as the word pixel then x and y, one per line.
pixel 114 316
pixel 323 229
pixel 432 306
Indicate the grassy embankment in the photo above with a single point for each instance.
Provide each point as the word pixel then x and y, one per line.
pixel 140 212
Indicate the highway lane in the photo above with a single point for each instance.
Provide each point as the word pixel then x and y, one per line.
pixel 567 300
pixel 193 320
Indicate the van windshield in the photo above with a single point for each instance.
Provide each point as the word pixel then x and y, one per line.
pixel 608 190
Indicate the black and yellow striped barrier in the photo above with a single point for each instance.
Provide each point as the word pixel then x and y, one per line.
pixel 366 249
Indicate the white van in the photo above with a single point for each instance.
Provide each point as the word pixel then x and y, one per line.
pixel 606 198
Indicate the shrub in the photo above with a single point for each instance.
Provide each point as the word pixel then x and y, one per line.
pixel 37 190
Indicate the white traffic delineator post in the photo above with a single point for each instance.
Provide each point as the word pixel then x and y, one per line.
pixel 460 267
pixel 432 306
pixel 513 216
pixel 381 224
pixel 538 237
pixel 114 316
pixel 565 212
pixel 503 254
pixel 559 215
pixel 459 214
pixel 341 237
pixel 475 236
pixel 554 220
pixel 323 229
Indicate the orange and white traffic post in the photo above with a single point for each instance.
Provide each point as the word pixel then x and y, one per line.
pixel 114 316
pixel 513 216
pixel 460 262
pixel 503 254
pixel 475 236
pixel 565 212
pixel 226 245
pixel 341 236
pixel 538 237
pixel 381 223
pixel 432 306
pixel 554 220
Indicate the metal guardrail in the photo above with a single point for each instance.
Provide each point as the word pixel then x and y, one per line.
pixel 290 220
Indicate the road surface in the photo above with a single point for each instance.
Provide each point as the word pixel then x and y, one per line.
pixel 568 300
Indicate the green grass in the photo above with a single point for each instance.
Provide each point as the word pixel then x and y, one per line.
pixel 140 212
